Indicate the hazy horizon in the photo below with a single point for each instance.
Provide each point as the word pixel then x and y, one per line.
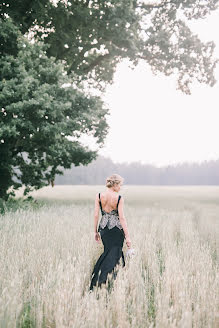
pixel 160 166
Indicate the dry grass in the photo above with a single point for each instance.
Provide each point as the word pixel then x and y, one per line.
pixel 47 257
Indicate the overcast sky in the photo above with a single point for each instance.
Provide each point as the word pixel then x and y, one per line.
pixel 152 122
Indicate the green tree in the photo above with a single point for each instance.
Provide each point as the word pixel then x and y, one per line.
pixel 87 38
pixel 40 110
pixel 92 36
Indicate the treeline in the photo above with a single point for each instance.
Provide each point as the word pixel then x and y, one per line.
pixel 205 173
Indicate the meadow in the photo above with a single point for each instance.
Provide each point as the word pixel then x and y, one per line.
pixel 48 252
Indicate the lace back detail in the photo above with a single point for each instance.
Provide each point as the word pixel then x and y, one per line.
pixel 110 219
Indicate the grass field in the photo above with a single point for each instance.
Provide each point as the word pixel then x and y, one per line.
pixel 48 253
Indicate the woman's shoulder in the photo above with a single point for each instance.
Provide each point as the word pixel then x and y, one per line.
pixel 97 196
pixel 105 196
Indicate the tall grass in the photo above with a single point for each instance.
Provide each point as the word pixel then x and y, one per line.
pixel 47 256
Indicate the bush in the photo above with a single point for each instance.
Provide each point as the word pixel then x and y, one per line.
pixel 13 204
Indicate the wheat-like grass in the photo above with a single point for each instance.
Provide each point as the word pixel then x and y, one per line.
pixel 47 256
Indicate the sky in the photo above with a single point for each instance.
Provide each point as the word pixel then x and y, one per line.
pixel 153 123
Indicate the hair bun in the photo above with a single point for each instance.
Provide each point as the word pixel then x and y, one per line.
pixel 114 179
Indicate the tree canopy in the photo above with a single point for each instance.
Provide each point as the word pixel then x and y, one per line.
pixel 93 36
pixel 40 110
pixel 51 50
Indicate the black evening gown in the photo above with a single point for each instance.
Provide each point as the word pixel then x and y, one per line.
pixel 112 236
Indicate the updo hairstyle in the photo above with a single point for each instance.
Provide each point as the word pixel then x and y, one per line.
pixel 114 179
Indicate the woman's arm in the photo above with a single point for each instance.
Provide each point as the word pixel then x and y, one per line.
pixel 122 219
pixel 96 212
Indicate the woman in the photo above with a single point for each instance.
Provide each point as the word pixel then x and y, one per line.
pixel 112 228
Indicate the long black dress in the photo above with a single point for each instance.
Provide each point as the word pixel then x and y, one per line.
pixel 112 236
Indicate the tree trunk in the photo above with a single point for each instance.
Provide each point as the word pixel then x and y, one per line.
pixel 5 181
pixel 5 172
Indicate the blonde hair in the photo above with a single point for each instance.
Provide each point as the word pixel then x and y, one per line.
pixel 114 179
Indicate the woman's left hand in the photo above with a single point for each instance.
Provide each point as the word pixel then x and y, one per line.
pixel 97 237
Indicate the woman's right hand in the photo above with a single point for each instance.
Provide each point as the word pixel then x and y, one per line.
pixel 128 242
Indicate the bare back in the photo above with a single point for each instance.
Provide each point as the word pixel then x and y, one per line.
pixel 109 201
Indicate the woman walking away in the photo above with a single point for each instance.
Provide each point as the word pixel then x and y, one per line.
pixel 113 230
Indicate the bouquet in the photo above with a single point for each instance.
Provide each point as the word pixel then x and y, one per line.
pixel 130 252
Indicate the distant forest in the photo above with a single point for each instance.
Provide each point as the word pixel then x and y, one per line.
pixel 205 173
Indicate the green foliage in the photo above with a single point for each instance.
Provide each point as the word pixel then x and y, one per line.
pixel 77 43
pixel 160 258
pixel 8 38
pixel 93 36
pixel 40 109
pixel 26 319
pixel 13 204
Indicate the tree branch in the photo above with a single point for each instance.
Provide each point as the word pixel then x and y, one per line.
pixel 96 62
pixel 151 6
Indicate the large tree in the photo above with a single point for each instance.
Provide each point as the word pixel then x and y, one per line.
pixel 40 110
pixel 87 38
pixel 92 36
